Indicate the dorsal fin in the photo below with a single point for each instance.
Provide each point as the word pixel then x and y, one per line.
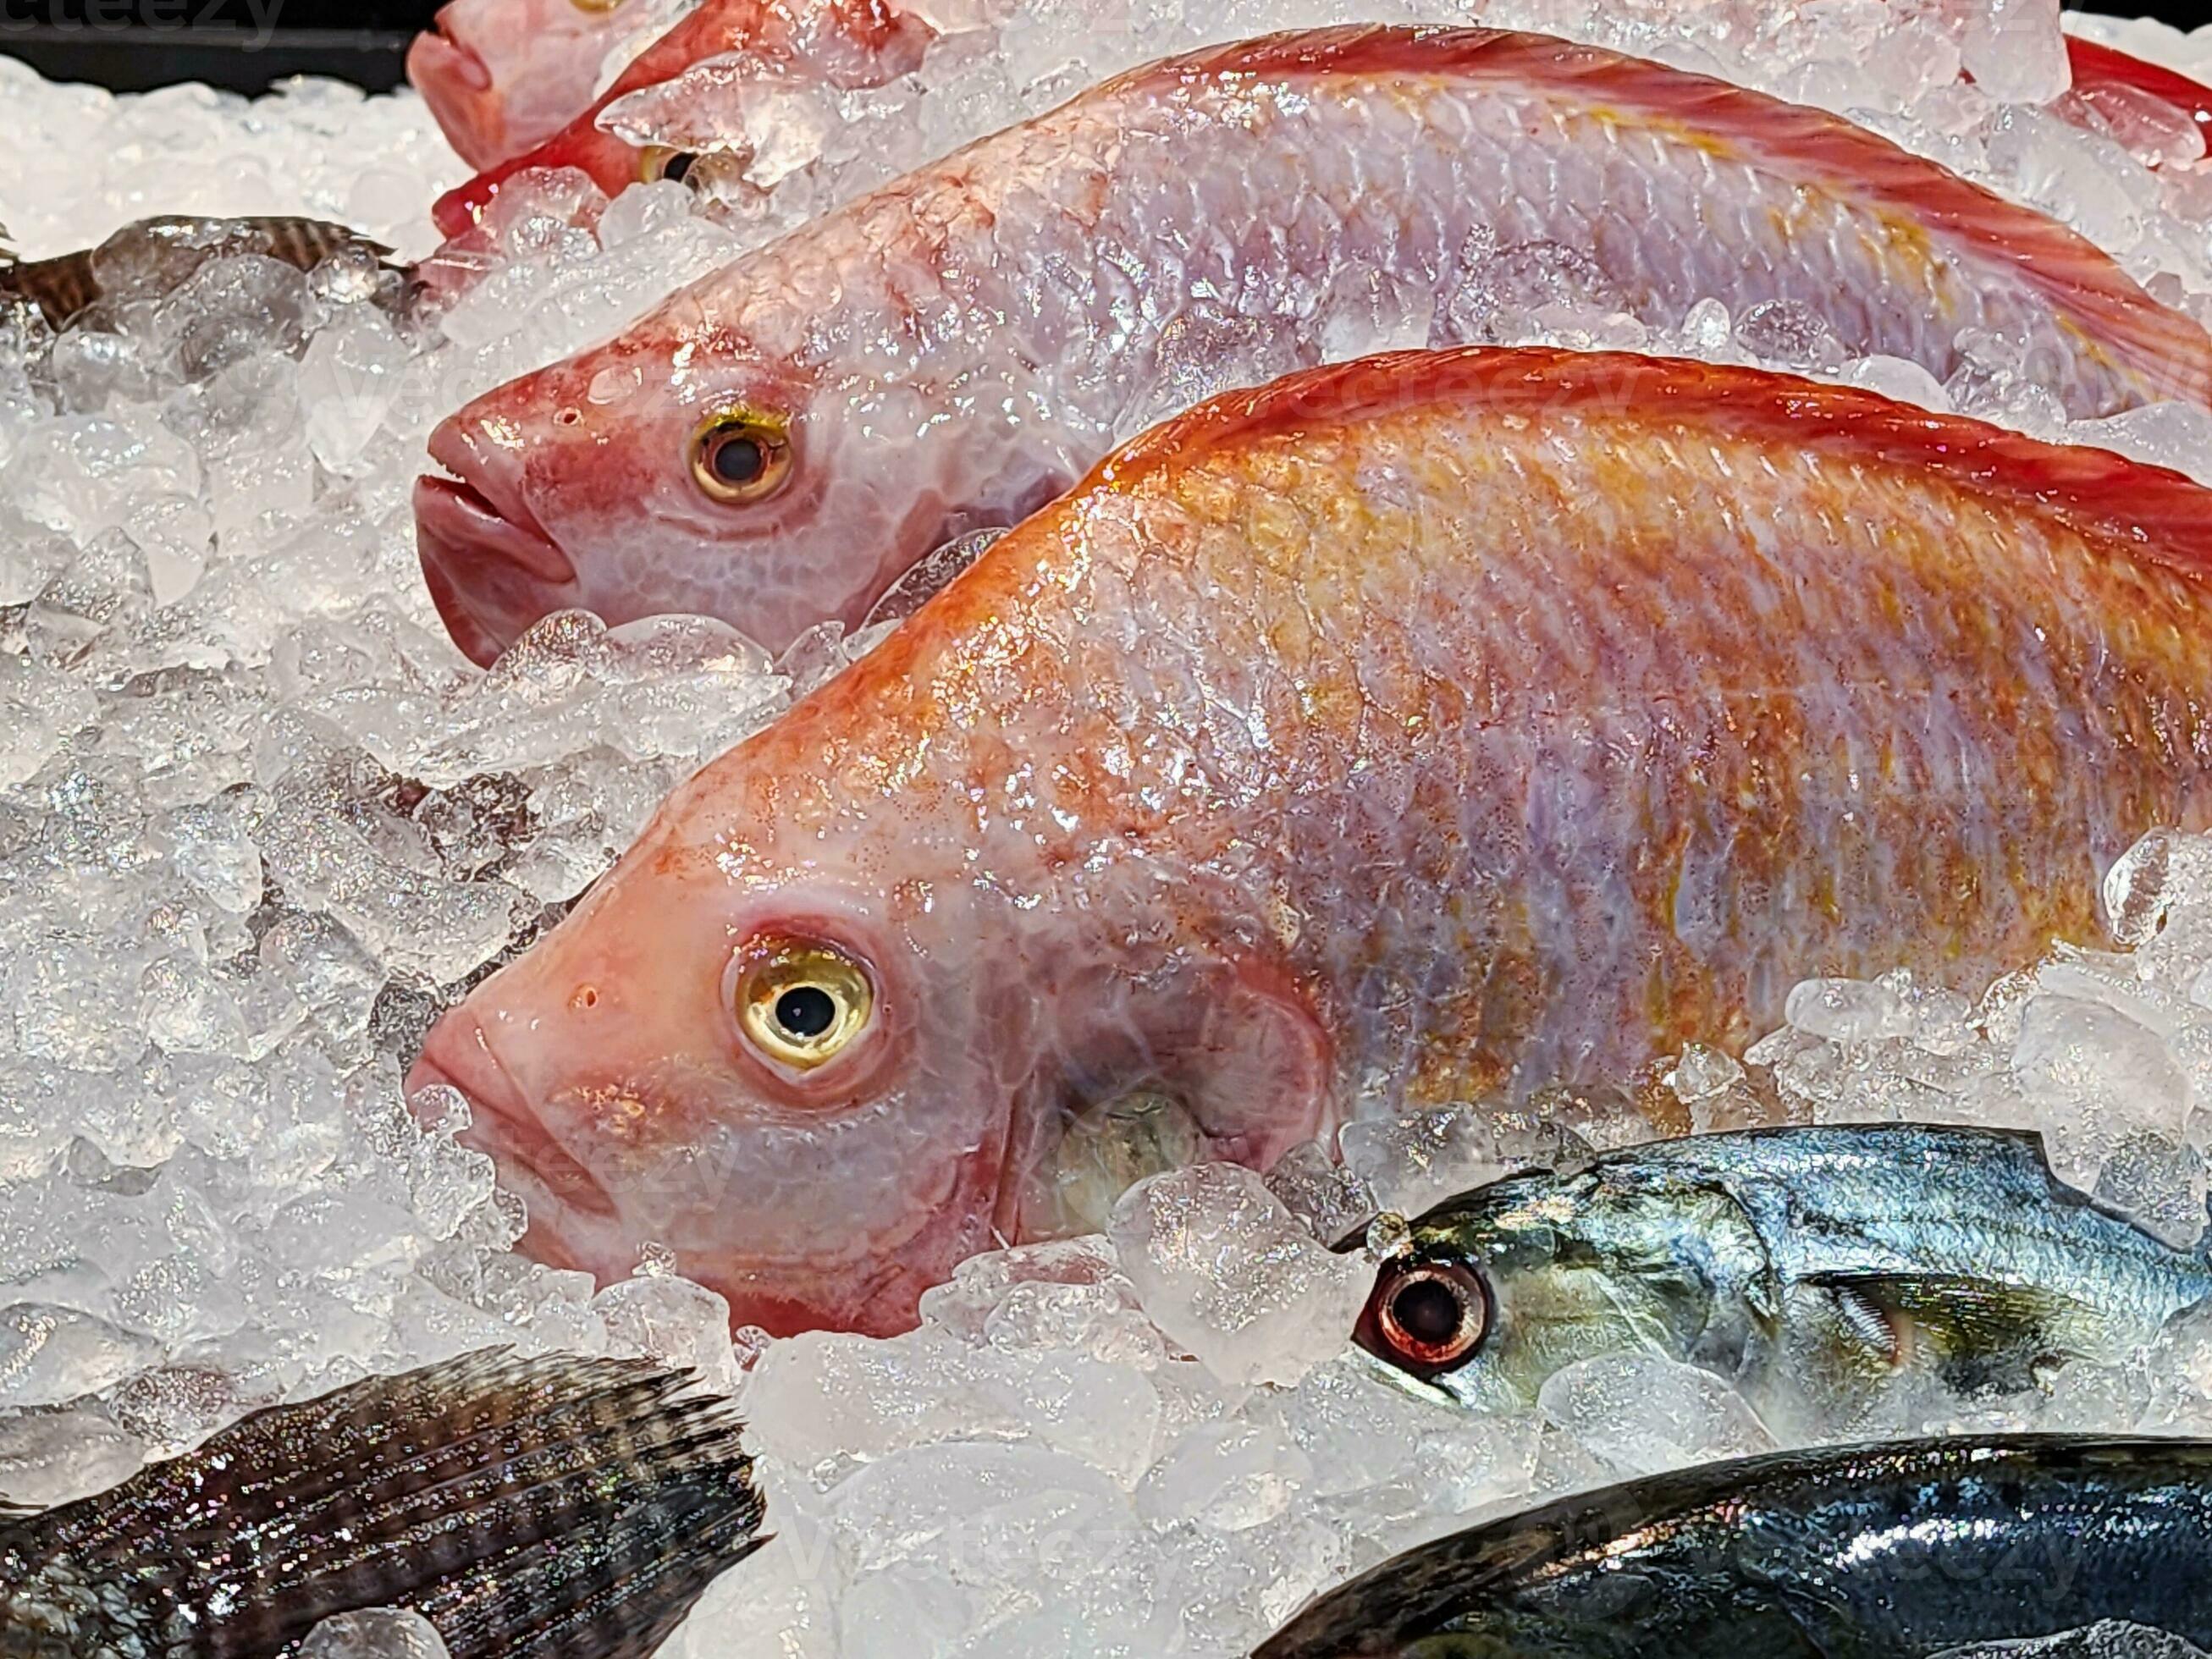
pixel 2171 353
pixel 2102 496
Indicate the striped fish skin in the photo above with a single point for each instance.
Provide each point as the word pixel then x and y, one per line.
pixel 67 286
pixel 956 348
pixel 437 1490
pixel 1812 1267
pixel 1894 1551
pixel 846 43
pixel 1442 724
pixel 501 76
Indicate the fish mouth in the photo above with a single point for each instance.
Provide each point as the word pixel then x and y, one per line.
pixel 456 82
pixel 492 569
pixel 530 1162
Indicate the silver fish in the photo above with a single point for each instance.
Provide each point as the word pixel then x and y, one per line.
pixel 1887 1551
pixel 1809 1265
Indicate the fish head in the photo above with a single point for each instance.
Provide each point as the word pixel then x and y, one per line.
pixel 502 75
pixel 793 1082
pixel 679 469
pixel 1499 1288
pixel 802 1040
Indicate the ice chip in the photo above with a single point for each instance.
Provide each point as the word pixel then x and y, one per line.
pixel 2014 50
pixel 375 1633
pixel 1224 1270
pixel 1643 1414
pixel 671 1320
pixel 51 1355
pixel 349 380
pixel 1227 1477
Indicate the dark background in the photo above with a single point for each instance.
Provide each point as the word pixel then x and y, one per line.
pixel 130 45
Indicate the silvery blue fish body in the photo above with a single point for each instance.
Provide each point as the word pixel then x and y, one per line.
pixel 1897 1551
pixel 1811 1265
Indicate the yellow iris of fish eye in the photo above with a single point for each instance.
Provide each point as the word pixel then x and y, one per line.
pixel 802 1003
pixel 597 5
pixel 741 455
pixel 658 161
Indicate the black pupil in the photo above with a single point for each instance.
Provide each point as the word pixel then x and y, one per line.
pixel 1428 1310
pixel 677 167
pixel 806 1010
pixel 740 459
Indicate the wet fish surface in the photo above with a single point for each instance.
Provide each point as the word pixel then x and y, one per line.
pixel 161 253
pixel 775 445
pixel 439 1490
pixel 844 43
pixel 1893 1550
pixel 501 76
pixel 1438 726
pixel 1809 1265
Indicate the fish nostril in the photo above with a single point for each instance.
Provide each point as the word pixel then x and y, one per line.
pixel 586 1000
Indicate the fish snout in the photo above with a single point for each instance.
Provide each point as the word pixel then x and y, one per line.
pixel 505 1126
pixel 457 84
pixel 491 567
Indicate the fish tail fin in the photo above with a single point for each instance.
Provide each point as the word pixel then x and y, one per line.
pixel 532 1507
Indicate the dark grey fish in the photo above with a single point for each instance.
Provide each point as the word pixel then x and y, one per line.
pixel 542 1507
pixel 1880 1552
pixel 1812 1267
pixel 159 255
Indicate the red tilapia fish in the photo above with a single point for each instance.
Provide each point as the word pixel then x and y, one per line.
pixel 776 444
pixel 847 43
pixel 501 76
pixel 1436 725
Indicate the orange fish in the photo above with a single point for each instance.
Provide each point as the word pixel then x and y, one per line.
pixel 848 43
pixel 1435 725
pixel 779 442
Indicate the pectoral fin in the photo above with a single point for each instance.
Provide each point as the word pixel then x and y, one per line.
pixel 1978 1335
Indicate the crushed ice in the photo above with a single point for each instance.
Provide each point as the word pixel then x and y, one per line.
pixel 258 821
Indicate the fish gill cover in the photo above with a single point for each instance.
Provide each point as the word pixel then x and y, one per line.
pixel 259 821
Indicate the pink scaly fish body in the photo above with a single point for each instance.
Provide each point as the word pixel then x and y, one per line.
pixel 850 43
pixel 501 76
pixel 956 347
pixel 1442 723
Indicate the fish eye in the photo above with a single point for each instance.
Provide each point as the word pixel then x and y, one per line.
pixel 741 456
pixel 658 161
pixel 1426 1317
pixel 802 1002
pixel 596 6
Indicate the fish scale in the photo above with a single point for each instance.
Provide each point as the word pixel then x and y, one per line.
pixel 1444 723
pixel 957 346
pixel 437 1490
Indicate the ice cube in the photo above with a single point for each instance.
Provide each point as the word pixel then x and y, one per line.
pixel 668 1319
pixel 51 1355
pixel 1224 1270
pixel 1226 1476
pixel 349 381
pixel 2095 1075
pixel 2015 52
pixel 1412 1162
pixel 375 1633
pixel 1643 1413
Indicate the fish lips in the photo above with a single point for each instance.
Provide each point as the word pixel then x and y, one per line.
pixel 491 573
pixel 457 83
